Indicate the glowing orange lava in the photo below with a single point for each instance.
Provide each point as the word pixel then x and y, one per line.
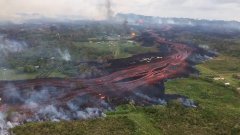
pixel 133 34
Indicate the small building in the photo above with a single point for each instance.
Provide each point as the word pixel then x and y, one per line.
pixel 236 76
pixel 227 84
pixel 129 41
pixel 238 89
pixel 218 78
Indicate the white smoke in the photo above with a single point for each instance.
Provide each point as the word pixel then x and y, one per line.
pixel 44 107
pixel 154 100
pixel 170 21
pixel 55 114
pixel 204 46
pixel 65 55
pixel 90 113
pixel 12 94
pixel 187 102
pixel 10 46
pixel 52 113
pixel 36 97
pixel 5 125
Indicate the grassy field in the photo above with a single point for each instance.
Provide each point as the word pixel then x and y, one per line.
pixel 218 110
pixel 224 67
pixel 10 74
pixel 48 58
pixel 115 49
pixel 108 126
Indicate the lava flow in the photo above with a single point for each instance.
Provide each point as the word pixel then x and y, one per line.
pixel 102 91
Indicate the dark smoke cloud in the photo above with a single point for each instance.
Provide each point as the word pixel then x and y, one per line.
pixel 13 10
pixel 109 11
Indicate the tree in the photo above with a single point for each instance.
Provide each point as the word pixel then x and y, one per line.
pixel 29 69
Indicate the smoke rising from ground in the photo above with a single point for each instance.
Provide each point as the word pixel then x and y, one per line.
pixel 109 11
pixel 80 9
pixel 10 46
pixel 65 55
pixel 42 105
pixel 151 99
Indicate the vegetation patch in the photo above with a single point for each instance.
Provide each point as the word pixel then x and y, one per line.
pixel 107 126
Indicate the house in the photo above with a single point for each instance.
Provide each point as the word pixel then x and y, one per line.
pixel 218 78
pixel 227 84
pixel 236 76
pixel 238 89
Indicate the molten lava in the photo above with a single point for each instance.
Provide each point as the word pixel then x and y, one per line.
pixel 114 86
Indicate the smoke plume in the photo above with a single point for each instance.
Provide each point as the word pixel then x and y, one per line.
pixel 109 11
pixel 65 55
pixel 39 108
pixel 10 46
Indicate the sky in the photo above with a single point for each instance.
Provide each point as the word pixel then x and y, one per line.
pixel 16 10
